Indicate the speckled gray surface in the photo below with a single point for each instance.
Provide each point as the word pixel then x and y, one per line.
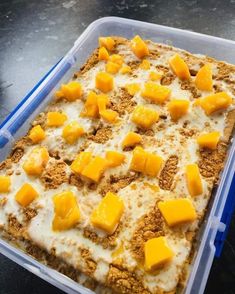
pixel 34 35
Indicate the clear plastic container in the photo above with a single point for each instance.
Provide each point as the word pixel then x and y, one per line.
pixel 17 124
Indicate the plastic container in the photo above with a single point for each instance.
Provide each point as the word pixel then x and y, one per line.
pixel 214 228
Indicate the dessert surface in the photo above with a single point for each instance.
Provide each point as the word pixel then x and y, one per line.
pixel 114 178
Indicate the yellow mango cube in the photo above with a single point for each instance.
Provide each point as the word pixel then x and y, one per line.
pixel 102 102
pixel 131 139
pixel 125 69
pixel 177 108
pixel 155 76
pixel 25 195
pixel 177 211
pixel 214 102
pixel 209 140
pixel 139 47
pixel 91 106
pixel 193 179
pixel 59 94
pixel 107 42
pixel 112 67
pixel 145 64
pixel 153 165
pixel 95 168
pixel 144 117
pixel 179 67
pixel 157 253
pixel 72 91
pixel 5 184
pixel 109 115
pixel 37 134
pixel 72 132
pixel 67 213
pixel 155 93
pixel 107 214
pixel 104 82
pixel 103 54
pixel 56 119
pixel 116 58
pixel 114 158
pixel 138 161
pixel 36 161
pixel 80 162
pixel 203 80
pixel 132 89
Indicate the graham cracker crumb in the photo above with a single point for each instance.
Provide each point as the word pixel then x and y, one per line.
pixel 76 181
pixel 123 102
pixel 168 172
pixel 230 122
pixel 18 149
pixel 163 68
pixel 187 132
pixel 3 201
pixel 134 64
pixel 167 79
pixel 101 134
pixel 188 85
pixel 145 132
pixel 29 213
pixel 54 174
pixel 90 263
pixel 40 120
pixel 149 226
pixel 15 228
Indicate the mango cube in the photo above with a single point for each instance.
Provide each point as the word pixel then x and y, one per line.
pixel 138 161
pixel 193 179
pixel 103 54
pixel 144 117
pixel 116 58
pixel 209 140
pixel 154 76
pixel 214 102
pixel 157 253
pixel 109 115
pixel 25 195
pixel 95 168
pixel 91 107
pixel 37 134
pixel 102 102
pixel 80 162
pixel 107 42
pixel 132 89
pixel 72 132
pixel 177 108
pixel 179 67
pixel 72 91
pixel 177 211
pixel 139 47
pixel 5 184
pixel 153 164
pixel 59 94
pixel 125 69
pixel 104 82
pixel 56 119
pixel 155 93
pixel 203 80
pixel 108 213
pixel 131 139
pixel 36 161
pixel 114 158
pixel 145 64
pixel 112 67
pixel 67 213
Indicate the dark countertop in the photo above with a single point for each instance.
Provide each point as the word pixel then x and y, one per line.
pixel 34 35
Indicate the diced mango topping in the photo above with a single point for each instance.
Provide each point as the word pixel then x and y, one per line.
pixel 95 168
pixel 214 102
pixel 177 108
pixel 177 211
pixel 203 80
pixel 179 67
pixel 67 213
pixel 72 132
pixel 107 42
pixel 5 184
pixel 59 94
pixel 145 162
pixel 116 58
pixel 125 69
pixel 104 82
pixel 112 67
pixel 25 195
pixel 80 162
pixel 209 140
pixel 114 158
pixel 155 93
pixel 71 91
pixel 108 213
pixel 102 102
pixel 139 47
pixel 56 119
pixel 36 161
pixel 145 64
pixel 37 134
pixel 103 54
pixel 109 115
pixel 91 107
pixel 157 253
pixel 131 139
pixel 132 89
pixel 155 76
pixel 193 179
pixel 144 117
